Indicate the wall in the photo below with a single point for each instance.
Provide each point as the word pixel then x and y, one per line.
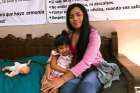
pixel 128 34
pixel 129 39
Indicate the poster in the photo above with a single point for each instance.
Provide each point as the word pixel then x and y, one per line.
pixel 22 12
pixel 98 10
pixel 31 12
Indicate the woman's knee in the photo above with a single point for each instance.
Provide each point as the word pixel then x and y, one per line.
pixel 91 77
pixel 90 83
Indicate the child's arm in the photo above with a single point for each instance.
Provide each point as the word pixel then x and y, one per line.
pixel 45 79
pixel 48 71
pixel 53 64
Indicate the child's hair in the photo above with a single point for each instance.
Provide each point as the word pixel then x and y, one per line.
pixel 61 39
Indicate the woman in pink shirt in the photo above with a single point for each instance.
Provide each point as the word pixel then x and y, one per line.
pixel 85 45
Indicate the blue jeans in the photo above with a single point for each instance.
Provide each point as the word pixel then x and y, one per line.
pixel 88 84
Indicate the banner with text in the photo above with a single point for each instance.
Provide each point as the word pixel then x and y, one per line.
pixel 97 9
pixel 22 12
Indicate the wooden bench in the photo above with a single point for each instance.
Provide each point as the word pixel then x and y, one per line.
pixel 12 47
pixel 131 71
pixel 128 68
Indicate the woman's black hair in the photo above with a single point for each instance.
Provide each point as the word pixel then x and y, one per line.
pixel 61 39
pixel 84 30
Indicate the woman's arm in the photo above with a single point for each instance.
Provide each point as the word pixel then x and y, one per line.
pixel 90 56
pixel 55 66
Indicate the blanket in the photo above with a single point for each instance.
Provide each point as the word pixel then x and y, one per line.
pixel 107 73
pixel 30 83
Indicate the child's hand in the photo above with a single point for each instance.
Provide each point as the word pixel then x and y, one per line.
pixel 52 85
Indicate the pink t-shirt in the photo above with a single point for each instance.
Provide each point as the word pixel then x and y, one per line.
pixel 92 54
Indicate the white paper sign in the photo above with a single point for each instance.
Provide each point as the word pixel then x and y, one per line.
pixel 97 9
pixel 22 12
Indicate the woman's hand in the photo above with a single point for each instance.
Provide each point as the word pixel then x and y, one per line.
pixel 52 85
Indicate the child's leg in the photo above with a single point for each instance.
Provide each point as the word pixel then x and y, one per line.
pixel 10 68
pixel 5 68
pixel 47 73
pixel 45 80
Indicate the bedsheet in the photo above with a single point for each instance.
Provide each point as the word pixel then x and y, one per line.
pixel 29 83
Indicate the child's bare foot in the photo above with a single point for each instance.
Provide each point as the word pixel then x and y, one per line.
pixel 5 68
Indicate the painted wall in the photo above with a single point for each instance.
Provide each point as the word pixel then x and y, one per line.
pixel 128 34
pixel 129 39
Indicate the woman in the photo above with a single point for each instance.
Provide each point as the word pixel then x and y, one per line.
pixel 85 45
